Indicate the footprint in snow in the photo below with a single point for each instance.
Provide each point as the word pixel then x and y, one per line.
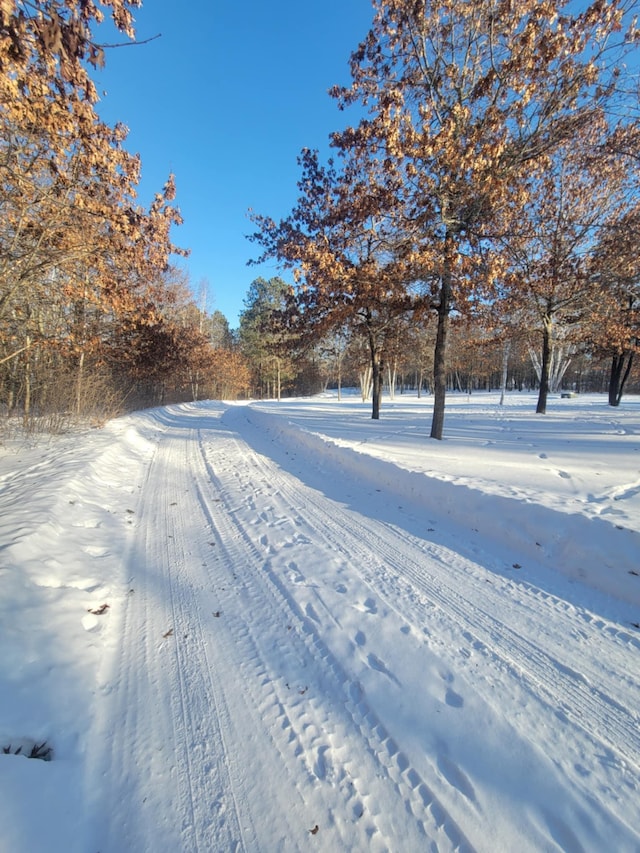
pixel 453 699
pixel 375 663
pixel 295 574
pixel 445 675
pixel 320 766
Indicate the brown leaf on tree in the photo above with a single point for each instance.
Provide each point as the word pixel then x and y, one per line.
pixel 468 110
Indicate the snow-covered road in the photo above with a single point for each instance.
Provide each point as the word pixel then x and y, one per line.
pixel 301 659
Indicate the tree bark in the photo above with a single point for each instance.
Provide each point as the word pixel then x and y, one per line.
pixel 377 379
pixel 377 389
pixel 506 349
pixel 541 408
pixel 27 379
pixel 365 383
pixel 392 373
pixel 79 384
pixel 618 376
pixel 376 368
pixel 440 351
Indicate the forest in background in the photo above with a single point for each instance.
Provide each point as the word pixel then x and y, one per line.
pixel 477 229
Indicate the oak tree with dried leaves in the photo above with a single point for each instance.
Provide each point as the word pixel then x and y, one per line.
pixel 463 101
pixel 347 256
pixel 614 327
pixel 77 251
pixel 580 198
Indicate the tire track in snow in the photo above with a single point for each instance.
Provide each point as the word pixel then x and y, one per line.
pixel 563 688
pixel 432 821
pixel 128 719
pixel 202 717
pixel 399 557
pixel 168 765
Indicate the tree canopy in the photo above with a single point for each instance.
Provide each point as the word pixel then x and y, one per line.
pixel 464 110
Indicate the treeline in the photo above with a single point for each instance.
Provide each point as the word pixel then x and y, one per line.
pixel 282 365
pixel 93 316
pixel 481 218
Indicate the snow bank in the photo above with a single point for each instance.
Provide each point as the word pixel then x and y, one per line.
pixel 600 552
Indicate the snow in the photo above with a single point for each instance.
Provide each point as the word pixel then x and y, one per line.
pixel 285 626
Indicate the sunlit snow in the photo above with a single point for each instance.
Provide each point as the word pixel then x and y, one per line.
pixel 284 626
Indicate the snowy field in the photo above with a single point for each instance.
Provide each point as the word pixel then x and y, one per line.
pixel 287 627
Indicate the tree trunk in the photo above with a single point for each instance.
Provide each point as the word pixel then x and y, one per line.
pixel 377 377
pixel 541 408
pixel 558 368
pixel 79 384
pixel 377 371
pixel 27 380
pixel 618 376
pixel 365 384
pixel 440 351
pixel 377 381
pixel 194 380
pixel 506 349
pixel 392 377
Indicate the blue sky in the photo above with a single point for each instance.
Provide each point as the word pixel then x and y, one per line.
pixel 226 99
